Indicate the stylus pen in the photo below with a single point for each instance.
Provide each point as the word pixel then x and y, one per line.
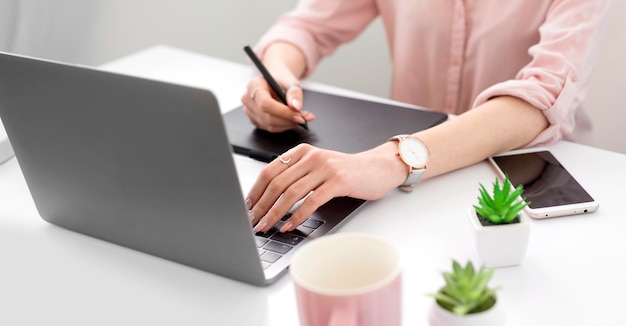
pixel 266 74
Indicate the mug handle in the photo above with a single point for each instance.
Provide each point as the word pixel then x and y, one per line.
pixel 342 316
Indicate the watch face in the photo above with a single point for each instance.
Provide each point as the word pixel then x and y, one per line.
pixel 414 152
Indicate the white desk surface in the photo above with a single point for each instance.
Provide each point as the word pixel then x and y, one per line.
pixel 573 273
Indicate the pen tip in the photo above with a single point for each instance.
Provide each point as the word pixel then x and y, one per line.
pixel 305 125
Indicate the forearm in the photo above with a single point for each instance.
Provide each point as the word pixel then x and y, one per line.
pixel 282 55
pixel 501 124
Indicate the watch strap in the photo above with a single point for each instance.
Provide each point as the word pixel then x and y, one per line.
pixel 412 179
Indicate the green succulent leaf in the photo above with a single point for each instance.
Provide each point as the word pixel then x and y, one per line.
pixel 445 299
pixel 503 205
pixel 461 309
pixel 466 290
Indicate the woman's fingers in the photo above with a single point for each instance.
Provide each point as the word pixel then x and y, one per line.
pixel 281 184
pixel 267 112
pixel 287 180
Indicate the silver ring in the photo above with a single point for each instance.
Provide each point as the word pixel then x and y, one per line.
pixel 293 85
pixel 254 92
pixel 282 160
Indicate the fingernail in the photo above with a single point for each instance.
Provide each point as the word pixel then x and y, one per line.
pixel 287 226
pixel 295 103
pixel 260 226
pixel 248 203
pixel 299 119
pixel 250 215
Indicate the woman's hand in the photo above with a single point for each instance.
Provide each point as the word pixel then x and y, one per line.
pixel 265 109
pixel 286 63
pixel 318 175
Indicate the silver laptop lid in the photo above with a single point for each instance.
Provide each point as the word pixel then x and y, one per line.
pixel 6 152
pixel 140 163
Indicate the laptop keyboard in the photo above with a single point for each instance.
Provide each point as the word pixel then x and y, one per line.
pixel 273 244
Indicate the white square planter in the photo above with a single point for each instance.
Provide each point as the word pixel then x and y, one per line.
pixel 500 245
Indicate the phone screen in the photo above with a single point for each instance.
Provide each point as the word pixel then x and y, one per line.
pixel 546 182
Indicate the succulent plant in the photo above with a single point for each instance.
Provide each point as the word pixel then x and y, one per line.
pixel 503 206
pixel 466 290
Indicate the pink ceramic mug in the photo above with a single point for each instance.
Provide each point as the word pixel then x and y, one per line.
pixel 348 279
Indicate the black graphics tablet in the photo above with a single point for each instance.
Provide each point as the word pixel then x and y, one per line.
pixel 342 123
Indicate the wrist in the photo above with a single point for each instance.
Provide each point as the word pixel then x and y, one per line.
pixel 396 170
pixel 285 56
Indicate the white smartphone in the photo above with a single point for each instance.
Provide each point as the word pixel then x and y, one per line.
pixel 551 190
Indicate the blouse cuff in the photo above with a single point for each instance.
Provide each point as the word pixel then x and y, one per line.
pixel 559 106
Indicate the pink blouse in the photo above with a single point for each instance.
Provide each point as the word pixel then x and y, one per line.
pixel 453 55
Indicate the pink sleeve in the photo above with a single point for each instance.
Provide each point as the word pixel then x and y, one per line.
pixel 318 27
pixel 557 78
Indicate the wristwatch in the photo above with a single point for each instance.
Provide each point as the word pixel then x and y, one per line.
pixel 414 153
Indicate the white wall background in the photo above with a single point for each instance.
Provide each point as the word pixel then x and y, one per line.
pixel 95 31
pixel 606 98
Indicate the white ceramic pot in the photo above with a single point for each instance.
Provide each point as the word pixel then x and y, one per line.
pixel 500 245
pixel 438 316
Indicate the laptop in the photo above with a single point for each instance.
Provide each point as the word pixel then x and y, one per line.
pixel 143 164
pixel 344 124
pixel 6 152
